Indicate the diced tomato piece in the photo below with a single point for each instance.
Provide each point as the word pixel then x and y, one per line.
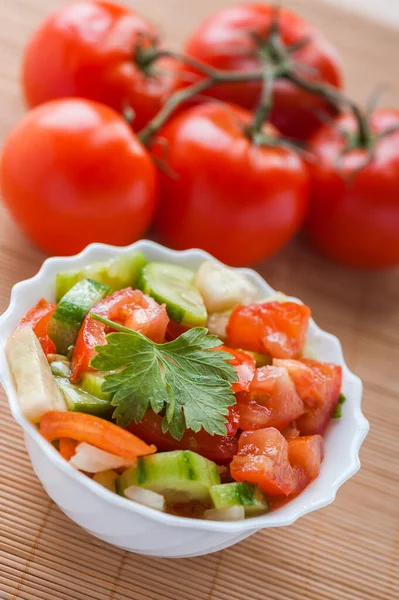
pixel 307 452
pixel 233 420
pixel 329 379
pixel 308 383
pixel 291 431
pixel 272 400
pixel 174 330
pixel 129 307
pixel 277 328
pixel 220 449
pixel 38 318
pixel 263 459
pixel 245 365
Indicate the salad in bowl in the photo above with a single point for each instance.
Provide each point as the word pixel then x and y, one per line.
pixel 171 405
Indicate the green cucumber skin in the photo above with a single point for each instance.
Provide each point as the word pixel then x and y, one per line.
pixel 79 400
pixel 92 383
pixel 60 368
pixel 147 283
pixel 117 273
pixel 243 494
pixel 170 473
pixel 72 310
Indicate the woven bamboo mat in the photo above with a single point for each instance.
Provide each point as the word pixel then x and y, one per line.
pixel 348 551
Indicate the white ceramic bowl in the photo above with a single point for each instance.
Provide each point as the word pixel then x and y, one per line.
pixel 135 527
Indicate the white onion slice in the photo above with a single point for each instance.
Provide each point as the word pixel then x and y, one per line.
pixel 217 323
pixel 234 513
pixel 222 288
pixel 146 497
pixel 90 459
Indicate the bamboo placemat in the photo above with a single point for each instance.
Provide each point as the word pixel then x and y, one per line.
pixel 348 551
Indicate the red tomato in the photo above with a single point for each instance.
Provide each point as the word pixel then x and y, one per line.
pixel 72 173
pixel 245 365
pixel 221 194
pixel 130 307
pixel 328 379
pixel 38 318
pixel 87 49
pixel 175 330
pixel 307 453
pixel 225 41
pixel 215 447
pixel 271 402
pixel 309 384
pixel 263 459
pixel 277 328
pixel 354 217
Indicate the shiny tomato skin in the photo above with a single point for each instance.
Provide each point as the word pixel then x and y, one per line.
pixel 86 49
pixel 73 172
pixel 308 384
pixel 128 307
pixel 307 453
pixel 275 328
pixel 263 459
pixel 222 194
pixel 328 377
pixel 38 318
pixel 272 400
pixel 218 448
pixel 224 41
pixel 244 364
pixel 354 217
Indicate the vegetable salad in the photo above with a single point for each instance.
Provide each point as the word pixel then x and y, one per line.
pixel 184 391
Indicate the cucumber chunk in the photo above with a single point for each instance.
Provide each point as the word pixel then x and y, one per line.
pixel 92 383
pixel 117 273
pixel 60 368
pixel 243 494
pixel 79 400
pixel 180 476
pixel 36 389
pixel 174 286
pixel 261 359
pixel 71 310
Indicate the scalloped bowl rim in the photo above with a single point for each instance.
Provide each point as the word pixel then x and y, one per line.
pixel 284 516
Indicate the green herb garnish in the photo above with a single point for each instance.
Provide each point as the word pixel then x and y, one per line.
pixel 338 411
pixel 182 378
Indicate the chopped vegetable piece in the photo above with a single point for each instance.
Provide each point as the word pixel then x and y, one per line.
pixel 233 513
pixel 90 459
pixel 338 410
pixel 60 368
pixel 263 459
pixel 244 365
pixel 182 377
pixel 71 311
pixel 217 324
pixel 261 360
pixel 307 452
pixel 218 448
pixel 106 479
pixel 173 286
pixel 117 273
pixel 329 377
pixel 36 389
pixel 130 307
pixel 38 319
pixel 272 400
pixel 93 430
pixel 275 328
pixel 81 401
pixel 223 288
pixel 146 497
pixel 243 494
pixel 67 448
pixel 309 384
pixel 92 383
pixel 180 476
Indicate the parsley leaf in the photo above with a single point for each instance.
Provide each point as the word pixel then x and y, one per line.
pixel 182 378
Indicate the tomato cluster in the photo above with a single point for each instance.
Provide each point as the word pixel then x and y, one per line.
pixel 98 159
